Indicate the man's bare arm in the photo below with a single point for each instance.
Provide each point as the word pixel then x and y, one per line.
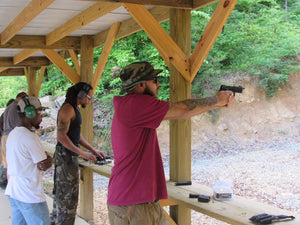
pixel 191 107
pixel 66 114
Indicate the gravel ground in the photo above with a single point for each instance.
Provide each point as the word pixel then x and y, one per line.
pixel 269 173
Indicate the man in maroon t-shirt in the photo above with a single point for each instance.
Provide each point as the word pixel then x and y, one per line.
pixel 137 180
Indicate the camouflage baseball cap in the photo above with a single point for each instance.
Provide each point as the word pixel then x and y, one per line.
pixel 136 73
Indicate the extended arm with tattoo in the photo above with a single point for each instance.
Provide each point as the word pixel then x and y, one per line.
pixel 191 107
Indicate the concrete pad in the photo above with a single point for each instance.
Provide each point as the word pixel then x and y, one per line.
pixel 5 210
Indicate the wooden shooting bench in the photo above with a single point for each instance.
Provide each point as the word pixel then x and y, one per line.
pixel 236 211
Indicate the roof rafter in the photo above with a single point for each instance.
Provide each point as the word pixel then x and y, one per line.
pixel 33 9
pixel 39 42
pixel 34 61
pixel 3 69
pixel 130 26
pixel 24 55
pixel 13 72
pixel 187 4
pixel 62 65
pixel 87 16
pixel 197 4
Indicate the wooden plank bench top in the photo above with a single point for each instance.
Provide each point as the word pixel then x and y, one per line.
pixel 236 211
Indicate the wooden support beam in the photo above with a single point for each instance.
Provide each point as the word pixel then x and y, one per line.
pixel 169 219
pixel 160 38
pixel 105 53
pixel 86 75
pixel 61 64
pixel 12 72
pixel 197 4
pixel 30 73
pixel 187 4
pixel 180 130
pixel 87 59
pixel 39 42
pixel 86 204
pixel 34 8
pixel 166 202
pixel 85 17
pixel 39 81
pixel 3 68
pixel 130 26
pixel 210 34
pixel 35 61
pixel 75 60
pixel 24 55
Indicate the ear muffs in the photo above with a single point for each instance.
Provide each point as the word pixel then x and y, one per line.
pixel 84 91
pixel 29 109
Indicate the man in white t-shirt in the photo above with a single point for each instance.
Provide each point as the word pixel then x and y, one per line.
pixel 26 160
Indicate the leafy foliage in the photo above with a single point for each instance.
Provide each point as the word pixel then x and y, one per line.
pixel 10 87
pixel 55 83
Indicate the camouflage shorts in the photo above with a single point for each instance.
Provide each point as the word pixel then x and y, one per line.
pixel 66 187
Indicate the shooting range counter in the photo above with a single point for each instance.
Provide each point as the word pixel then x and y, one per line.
pixel 236 211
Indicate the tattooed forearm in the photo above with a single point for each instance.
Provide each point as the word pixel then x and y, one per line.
pixel 193 103
pixel 62 126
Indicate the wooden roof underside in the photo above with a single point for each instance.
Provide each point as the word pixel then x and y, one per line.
pixel 35 33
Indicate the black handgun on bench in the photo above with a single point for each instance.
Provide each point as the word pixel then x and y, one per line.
pixel 234 89
pixel 101 161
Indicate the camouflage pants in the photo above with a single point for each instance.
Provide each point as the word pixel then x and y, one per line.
pixel 66 187
pixel 3 171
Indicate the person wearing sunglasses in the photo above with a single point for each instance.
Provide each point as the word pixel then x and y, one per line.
pixel 66 175
pixel 137 180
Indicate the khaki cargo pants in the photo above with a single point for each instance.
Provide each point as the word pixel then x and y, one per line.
pixel 139 214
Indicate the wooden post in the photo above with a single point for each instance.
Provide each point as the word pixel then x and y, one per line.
pixel 40 80
pixel 180 130
pixel 30 73
pixel 86 74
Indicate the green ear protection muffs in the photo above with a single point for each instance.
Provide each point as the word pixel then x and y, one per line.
pixel 29 109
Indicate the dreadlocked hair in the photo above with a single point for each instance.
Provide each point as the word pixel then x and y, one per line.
pixel 71 96
pixel 72 92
